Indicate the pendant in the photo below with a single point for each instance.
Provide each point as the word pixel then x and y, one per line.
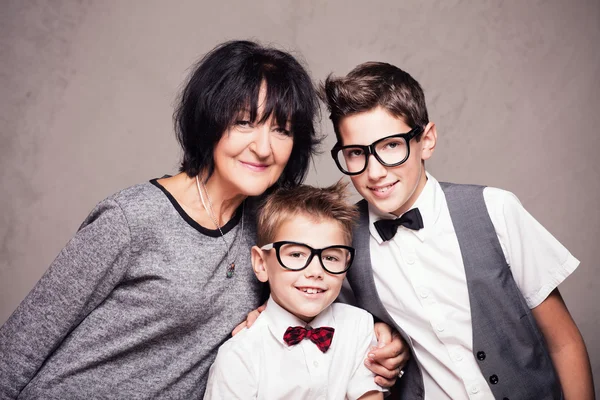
pixel 230 270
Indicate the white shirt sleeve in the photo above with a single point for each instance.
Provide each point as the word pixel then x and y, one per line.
pixel 539 262
pixel 232 375
pixel 363 380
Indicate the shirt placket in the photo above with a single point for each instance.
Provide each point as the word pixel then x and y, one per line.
pixel 318 367
pixel 433 311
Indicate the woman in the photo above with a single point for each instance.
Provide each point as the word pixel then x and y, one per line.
pixel 137 303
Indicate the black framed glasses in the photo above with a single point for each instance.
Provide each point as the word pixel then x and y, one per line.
pixel 390 151
pixel 296 256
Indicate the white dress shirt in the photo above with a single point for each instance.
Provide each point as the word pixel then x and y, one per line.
pixel 257 363
pixel 420 278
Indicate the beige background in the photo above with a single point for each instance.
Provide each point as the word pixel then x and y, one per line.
pixel 87 90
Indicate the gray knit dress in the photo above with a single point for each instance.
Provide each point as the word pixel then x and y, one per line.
pixel 134 307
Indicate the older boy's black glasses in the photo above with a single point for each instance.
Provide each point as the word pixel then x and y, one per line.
pixel 296 256
pixel 390 151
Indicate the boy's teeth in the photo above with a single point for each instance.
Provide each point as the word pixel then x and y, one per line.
pixel 383 189
pixel 311 291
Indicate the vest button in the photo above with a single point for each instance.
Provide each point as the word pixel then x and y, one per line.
pixel 494 379
pixel 481 355
pixel 505 398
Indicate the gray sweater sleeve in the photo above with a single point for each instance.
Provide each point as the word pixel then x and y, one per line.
pixel 79 279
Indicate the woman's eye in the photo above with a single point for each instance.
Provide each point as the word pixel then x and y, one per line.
pixel 283 132
pixel 243 124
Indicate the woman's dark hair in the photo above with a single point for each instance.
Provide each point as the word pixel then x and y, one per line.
pixel 226 82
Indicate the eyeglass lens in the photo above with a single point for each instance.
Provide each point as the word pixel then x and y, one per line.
pixel 391 151
pixel 296 256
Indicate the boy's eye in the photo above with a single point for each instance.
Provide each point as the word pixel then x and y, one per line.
pixel 354 153
pixel 296 255
pixel 330 259
pixel 396 144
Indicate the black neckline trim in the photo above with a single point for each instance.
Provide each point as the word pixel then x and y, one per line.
pixel 205 231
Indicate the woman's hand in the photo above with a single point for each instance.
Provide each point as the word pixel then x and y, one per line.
pixel 250 319
pixel 389 357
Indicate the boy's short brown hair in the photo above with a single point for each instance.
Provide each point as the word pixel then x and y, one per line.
pixel 318 203
pixel 371 85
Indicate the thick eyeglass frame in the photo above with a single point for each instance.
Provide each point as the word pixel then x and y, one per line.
pixel 313 252
pixel 370 149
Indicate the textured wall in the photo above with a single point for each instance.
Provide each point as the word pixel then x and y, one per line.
pixel 87 90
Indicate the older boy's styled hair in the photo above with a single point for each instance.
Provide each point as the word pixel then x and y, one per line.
pixel 371 85
pixel 318 203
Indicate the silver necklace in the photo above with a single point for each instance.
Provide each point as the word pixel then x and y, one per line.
pixel 211 214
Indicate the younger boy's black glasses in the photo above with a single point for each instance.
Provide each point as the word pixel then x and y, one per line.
pixel 296 256
pixel 390 151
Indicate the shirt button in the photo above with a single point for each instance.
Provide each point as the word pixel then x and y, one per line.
pixel 424 293
pixel 458 357
pixel 494 379
pixel 439 328
pixel 474 389
pixel 481 355
pixel 410 260
pixel 316 364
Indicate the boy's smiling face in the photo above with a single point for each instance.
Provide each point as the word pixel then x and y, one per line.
pixel 307 292
pixel 390 189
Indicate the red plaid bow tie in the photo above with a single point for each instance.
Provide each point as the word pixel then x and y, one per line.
pixel 322 337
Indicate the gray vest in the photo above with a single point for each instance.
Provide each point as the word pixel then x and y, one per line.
pixel 509 347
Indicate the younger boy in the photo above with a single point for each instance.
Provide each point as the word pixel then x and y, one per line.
pixel 465 271
pixel 302 346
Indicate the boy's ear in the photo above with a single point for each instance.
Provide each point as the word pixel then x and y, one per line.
pixel 259 264
pixel 429 140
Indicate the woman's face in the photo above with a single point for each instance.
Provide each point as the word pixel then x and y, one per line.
pixel 249 158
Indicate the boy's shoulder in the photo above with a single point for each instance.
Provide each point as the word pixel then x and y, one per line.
pixel 245 345
pixel 345 314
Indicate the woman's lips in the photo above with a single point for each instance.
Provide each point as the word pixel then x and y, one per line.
pixel 256 167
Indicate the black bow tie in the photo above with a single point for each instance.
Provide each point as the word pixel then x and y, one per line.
pixel 387 227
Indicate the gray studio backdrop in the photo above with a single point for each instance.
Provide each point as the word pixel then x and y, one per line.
pixel 87 89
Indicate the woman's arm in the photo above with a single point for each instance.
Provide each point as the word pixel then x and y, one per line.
pixel 566 347
pixel 81 277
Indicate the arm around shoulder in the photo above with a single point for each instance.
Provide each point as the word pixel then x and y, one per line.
pixel 566 347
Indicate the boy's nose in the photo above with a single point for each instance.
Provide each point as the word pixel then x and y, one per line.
pixel 375 170
pixel 314 269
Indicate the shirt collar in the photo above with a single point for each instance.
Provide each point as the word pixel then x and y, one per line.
pixel 279 319
pixel 429 205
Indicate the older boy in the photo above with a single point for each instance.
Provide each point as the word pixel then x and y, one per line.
pixel 465 271
pixel 302 346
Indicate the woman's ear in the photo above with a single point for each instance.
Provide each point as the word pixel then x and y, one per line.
pixel 259 264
